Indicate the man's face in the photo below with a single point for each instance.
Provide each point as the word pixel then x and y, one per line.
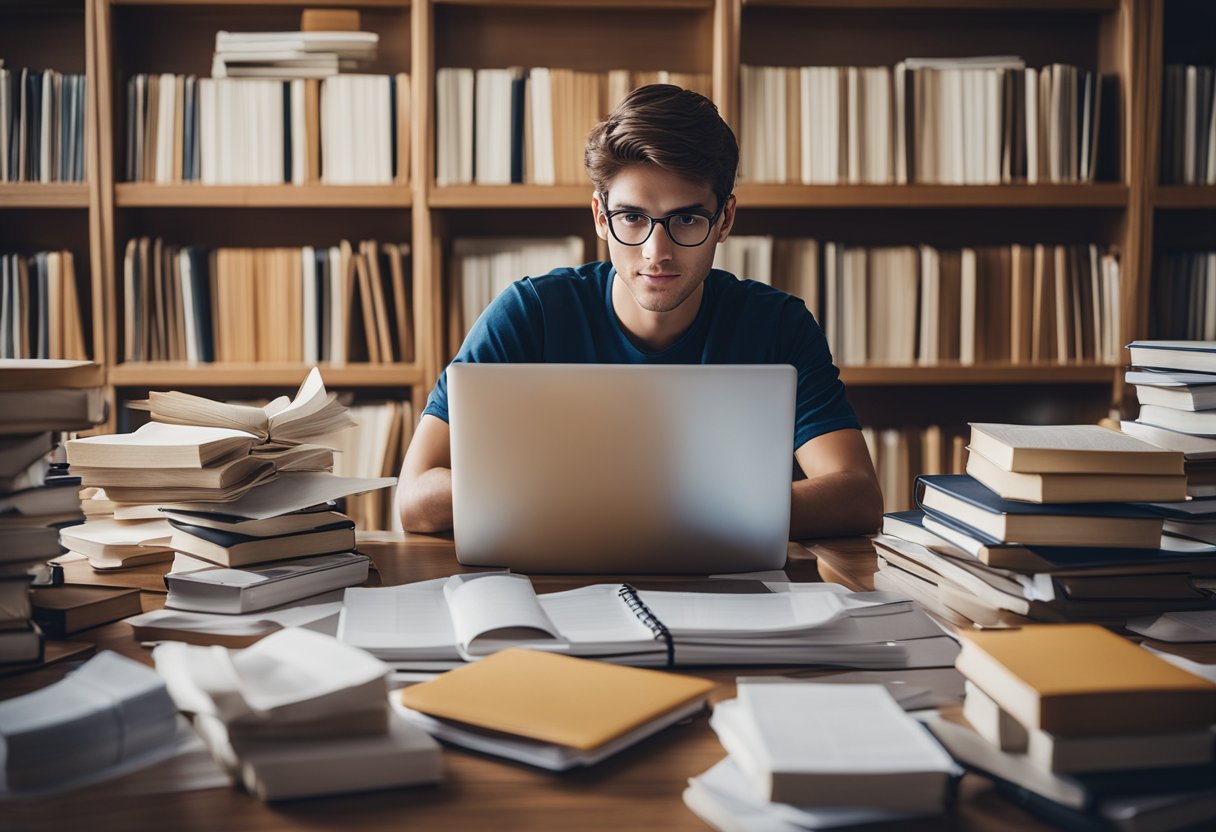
pixel 660 275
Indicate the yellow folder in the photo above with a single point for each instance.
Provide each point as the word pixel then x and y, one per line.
pixel 577 703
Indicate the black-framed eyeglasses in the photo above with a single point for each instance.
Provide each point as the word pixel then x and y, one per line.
pixel 684 228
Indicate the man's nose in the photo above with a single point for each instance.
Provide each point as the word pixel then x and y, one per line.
pixel 659 246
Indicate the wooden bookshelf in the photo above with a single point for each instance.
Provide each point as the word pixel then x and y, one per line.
pixel 113 39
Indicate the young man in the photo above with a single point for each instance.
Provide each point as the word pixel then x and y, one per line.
pixel 664 166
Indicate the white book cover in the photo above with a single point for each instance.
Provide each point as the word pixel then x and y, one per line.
pixel 967 312
pixel 856 126
pixel 542 126
pixel 930 305
pixel 163 152
pixel 299 143
pixel 1189 130
pixel 493 89
pixel 337 309
pixel 308 277
pixel 186 269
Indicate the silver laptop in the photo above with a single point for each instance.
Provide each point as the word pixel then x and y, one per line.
pixel 608 468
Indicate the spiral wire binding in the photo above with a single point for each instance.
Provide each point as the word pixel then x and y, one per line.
pixel 630 596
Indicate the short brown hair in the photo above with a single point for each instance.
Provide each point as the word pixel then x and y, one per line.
pixel 670 127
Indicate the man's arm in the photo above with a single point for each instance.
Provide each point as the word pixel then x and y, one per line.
pixel 424 489
pixel 840 495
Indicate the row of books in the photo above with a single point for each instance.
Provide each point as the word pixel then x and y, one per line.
pixel 312 304
pixel 42 125
pixel 344 130
pixel 374 448
pixel 899 453
pixel 502 126
pixel 1188 125
pixel 482 267
pixel 965 121
pixel 1184 296
pixel 43 309
pixel 288 55
pixel 1084 728
pixel 923 305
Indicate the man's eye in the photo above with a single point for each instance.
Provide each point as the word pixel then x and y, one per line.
pixel 631 219
pixel 686 219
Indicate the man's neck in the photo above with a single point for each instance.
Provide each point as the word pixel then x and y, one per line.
pixel 654 331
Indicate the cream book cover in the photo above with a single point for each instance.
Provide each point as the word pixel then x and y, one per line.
pixel 577 703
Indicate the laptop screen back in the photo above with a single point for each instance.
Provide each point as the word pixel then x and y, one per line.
pixel 621 468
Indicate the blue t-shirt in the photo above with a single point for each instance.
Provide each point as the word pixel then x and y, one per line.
pixel 566 316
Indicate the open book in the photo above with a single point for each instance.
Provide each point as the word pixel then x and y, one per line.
pixel 311 416
pixel 467 617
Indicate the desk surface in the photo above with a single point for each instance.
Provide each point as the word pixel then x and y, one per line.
pixel 638 789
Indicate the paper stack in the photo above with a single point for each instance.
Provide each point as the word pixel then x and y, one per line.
pixel 447 621
pixel 1079 725
pixel 815 756
pixel 1043 528
pixel 38 400
pixel 99 720
pixel 299 714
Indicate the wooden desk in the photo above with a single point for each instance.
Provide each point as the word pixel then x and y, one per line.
pixel 636 790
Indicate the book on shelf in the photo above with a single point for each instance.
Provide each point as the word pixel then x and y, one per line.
pixel 549 710
pixel 233 550
pixel 1188 125
pixel 42 307
pixel 497 126
pixel 1182 294
pixel 801 743
pixel 374 448
pixel 269 130
pixel 70 608
pixel 1075 488
pixel 1070 449
pixel 955 121
pixel 1115 752
pixel 970 503
pixel 43 113
pixel 1081 680
pixel 464 618
pixel 201 586
pixel 311 304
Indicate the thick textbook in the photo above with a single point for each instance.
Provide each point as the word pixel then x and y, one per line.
pixel 203 587
pixel 233 549
pixel 466 617
pixel 1075 488
pixel 586 707
pixel 1070 449
pixel 67 609
pixel 1083 680
pixel 809 744
pixel 1082 524
pixel 1197 356
pixel 159 445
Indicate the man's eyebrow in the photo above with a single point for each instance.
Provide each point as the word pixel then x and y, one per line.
pixel 683 209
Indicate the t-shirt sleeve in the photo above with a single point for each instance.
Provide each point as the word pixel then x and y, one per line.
pixel 509 330
pixel 821 403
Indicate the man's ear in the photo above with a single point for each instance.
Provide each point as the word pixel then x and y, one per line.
pixel 597 216
pixel 728 219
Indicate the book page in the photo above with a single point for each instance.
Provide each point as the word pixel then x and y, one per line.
pixel 594 614
pixel 410 618
pixel 1065 437
pixel 490 611
pixel 290 492
pixel 741 615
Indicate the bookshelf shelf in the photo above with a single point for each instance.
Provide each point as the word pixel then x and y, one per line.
pixel 44 195
pixel 952 5
pixel 140 195
pixel 348 4
pixel 956 374
pixel 581 4
pixel 1185 196
pixel 932 196
pixel 176 374
pixel 511 196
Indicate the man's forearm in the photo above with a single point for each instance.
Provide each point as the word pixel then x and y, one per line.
pixel 425 504
pixel 835 505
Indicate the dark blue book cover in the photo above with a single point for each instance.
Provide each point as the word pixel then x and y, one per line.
pixel 971 491
pixel 231 539
pixel 518 86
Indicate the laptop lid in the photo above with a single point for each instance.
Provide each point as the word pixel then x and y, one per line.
pixel 610 468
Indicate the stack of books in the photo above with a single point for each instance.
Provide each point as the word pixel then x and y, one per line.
pixel 1044 527
pixel 1083 727
pixel 43 113
pixel 199 451
pixel 808 756
pixel 38 400
pixel 328 730
pixel 1176 384
pixel 291 55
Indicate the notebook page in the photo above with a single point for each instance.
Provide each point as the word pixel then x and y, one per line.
pixel 411 618
pixel 493 610
pixel 594 614
pixel 703 614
